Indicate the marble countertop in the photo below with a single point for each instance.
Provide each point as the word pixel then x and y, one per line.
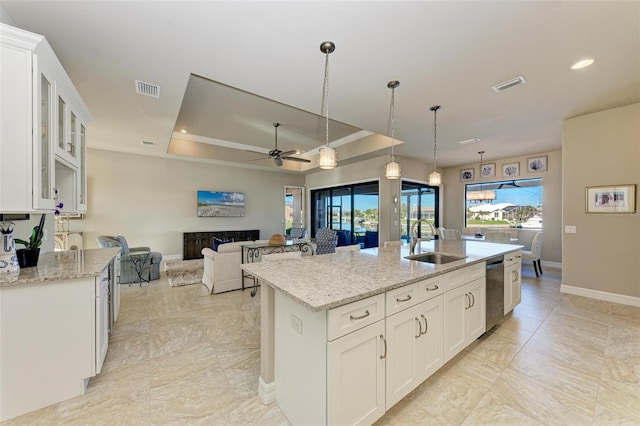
pixel 63 265
pixel 330 280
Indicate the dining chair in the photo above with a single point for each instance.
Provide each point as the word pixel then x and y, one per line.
pixel 440 232
pixel 398 243
pixel 353 247
pixel 451 234
pixel 534 254
pixel 498 237
pixel 326 241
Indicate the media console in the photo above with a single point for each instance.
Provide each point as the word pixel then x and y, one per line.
pixel 194 242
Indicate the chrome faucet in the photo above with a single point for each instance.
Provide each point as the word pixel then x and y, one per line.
pixel 414 236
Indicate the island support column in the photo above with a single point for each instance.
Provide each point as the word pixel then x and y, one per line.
pixel 266 383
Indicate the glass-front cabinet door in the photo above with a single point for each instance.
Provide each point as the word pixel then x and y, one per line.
pixel 82 172
pixel 43 177
pixel 67 134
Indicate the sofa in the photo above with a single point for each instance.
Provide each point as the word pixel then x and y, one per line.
pixel 128 274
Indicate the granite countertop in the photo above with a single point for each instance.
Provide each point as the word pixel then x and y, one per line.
pixel 330 280
pixel 63 265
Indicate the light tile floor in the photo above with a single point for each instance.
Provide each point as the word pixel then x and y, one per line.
pixel 181 356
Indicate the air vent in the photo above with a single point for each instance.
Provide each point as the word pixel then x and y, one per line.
pixel 472 140
pixel 147 89
pixel 509 84
pixel 148 143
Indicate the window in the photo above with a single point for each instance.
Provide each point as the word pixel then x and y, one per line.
pixel 352 210
pixel 518 204
pixel 418 201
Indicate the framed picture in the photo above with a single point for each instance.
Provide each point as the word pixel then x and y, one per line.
pixel 611 199
pixel 220 204
pixel 488 170
pixel 511 170
pixel 537 164
pixel 466 175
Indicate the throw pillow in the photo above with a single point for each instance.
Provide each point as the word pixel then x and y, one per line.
pixel 218 241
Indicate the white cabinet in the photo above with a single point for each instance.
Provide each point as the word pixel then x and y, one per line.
pixel 512 280
pixel 40 110
pixel 102 318
pixel 356 376
pixel 116 287
pixel 464 316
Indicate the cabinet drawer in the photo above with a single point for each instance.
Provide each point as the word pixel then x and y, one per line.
pixel 512 258
pixel 464 275
pixel 430 288
pixel 402 298
pixel 345 319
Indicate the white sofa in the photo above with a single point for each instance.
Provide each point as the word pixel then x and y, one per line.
pixel 222 268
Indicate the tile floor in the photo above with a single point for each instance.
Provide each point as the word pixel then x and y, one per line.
pixel 181 356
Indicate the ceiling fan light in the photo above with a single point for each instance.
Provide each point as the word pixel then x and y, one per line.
pixel 327 159
pixel 392 170
pixel 435 178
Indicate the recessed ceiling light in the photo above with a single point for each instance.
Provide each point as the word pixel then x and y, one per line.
pixel 472 140
pixel 183 131
pixel 148 143
pixel 582 64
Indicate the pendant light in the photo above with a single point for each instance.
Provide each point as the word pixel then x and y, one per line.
pixel 327 158
pixel 435 178
pixel 392 169
pixel 478 197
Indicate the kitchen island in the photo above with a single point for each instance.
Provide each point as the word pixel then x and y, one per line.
pixel 54 325
pixel 345 336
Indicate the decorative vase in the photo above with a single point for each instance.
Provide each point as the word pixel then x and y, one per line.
pixel 9 266
pixel 28 257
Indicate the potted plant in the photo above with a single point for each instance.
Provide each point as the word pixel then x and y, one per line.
pixel 28 256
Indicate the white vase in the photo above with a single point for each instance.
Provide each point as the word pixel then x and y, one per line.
pixel 9 267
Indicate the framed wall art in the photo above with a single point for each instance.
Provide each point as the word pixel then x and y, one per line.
pixel 488 170
pixel 537 164
pixel 466 175
pixel 611 199
pixel 511 170
pixel 220 204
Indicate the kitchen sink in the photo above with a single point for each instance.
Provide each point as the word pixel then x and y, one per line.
pixel 437 258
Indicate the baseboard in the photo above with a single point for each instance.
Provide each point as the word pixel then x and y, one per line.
pixel 266 391
pixel 601 295
pixel 557 265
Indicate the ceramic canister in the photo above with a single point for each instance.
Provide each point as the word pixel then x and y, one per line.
pixel 9 268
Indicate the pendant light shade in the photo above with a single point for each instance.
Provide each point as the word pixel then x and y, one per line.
pixel 392 169
pixel 328 157
pixel 435 179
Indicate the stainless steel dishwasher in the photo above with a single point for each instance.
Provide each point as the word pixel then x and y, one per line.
pixel 494 291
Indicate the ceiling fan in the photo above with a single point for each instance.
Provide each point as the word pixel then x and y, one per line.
pixel 278 155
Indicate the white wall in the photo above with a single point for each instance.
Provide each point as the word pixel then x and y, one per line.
pixel 152 201
pixel 601 149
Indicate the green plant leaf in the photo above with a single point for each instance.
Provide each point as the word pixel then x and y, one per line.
pixel 23 242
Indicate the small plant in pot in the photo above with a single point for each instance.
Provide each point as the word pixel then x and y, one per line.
pixel 28 256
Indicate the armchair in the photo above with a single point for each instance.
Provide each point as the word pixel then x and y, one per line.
pixel 150 270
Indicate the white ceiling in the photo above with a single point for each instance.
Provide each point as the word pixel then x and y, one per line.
pixel 443 53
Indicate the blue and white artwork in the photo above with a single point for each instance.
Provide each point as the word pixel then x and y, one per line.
pixel 220 204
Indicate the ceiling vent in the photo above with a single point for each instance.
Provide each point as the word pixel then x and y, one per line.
pixel 509 84
pixel 147 89
pixel 147 143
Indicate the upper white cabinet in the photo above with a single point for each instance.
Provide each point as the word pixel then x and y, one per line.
pixel 42 128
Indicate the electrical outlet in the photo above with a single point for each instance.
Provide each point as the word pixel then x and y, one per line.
pixel 569 229
pixel 296 324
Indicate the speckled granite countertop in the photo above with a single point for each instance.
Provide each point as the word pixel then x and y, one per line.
pixel 330 280
pixel 64 265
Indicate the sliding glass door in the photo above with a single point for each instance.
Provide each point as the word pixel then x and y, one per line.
pixel 352 210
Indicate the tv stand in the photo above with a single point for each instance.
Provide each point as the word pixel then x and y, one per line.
pixel 194 242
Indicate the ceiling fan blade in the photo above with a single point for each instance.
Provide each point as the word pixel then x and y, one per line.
pixel 287 153
pixel 257 152
pixel 300 160
pixel 258 159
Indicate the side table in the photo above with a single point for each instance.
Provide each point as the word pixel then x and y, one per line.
pixel 139 260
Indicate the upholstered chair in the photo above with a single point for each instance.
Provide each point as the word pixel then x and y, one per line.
pixel 498 237
pixel 151 268
pixel 451 234
pixel 296 233
pixel 534 254
pixel 326 241
pixel 440 232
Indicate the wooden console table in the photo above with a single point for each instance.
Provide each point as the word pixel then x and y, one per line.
pixel 194 242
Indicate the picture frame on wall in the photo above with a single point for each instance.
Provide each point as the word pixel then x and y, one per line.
pixel 488 170
pixel 610 199
pixel 467 175
pixel 537 164
pixel 511 170
pixel 220 204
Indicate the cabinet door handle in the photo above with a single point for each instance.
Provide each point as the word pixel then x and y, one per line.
pixel 473 300
pixel 383 356
pixel 432 289
pixel 366 314
pixel 426 324
pixel 468 300
pixel 420 327
pixel 516 275
pixel 406 299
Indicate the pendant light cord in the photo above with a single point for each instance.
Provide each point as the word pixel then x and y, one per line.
pixel 435 143
pixel 392 119
pixel 325 97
